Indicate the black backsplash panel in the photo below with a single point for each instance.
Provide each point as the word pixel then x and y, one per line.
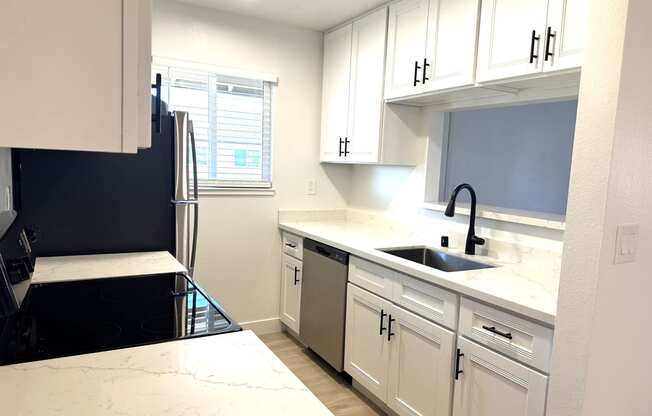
pixel 91 203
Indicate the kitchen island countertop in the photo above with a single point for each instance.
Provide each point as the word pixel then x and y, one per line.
pixel 230 374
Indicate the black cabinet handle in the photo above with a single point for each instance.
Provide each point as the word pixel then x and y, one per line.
pixel 382 319
pixel 389 328
pixel 549 37
pixel 296 272
pixel 534 38
pixel 346 146
pixel 157 116
pixel 493 330
pixel 416 73
pixel 340 152
pixel 425 68
pixel 457 364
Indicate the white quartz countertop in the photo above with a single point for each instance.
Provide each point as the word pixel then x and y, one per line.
pixel 68 268
pixel 507 286
pixel 230 374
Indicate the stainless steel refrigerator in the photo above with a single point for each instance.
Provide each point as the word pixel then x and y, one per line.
pixel 88 203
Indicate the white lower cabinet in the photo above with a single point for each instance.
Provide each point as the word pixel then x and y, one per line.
pixel 366 353
pixel 291 277
pixel 420 359
pixel 401 358
pixel 489 384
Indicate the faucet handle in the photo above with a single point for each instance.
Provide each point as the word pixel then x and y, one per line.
pixel 477 240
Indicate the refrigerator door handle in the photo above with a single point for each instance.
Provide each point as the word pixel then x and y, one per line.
pixel 195 188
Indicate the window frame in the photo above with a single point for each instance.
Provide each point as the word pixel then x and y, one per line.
pixel 234 187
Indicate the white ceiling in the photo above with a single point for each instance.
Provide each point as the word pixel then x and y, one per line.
pixel 310 14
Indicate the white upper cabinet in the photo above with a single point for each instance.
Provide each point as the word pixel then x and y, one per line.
pixel 489 384
pixel 431 46
pixel 524 37
pixel 567 21
pixel 406 47
pixel 77 81
pixel 357 127
pixel 335 92
pixel 451 45
pixel 511 38
pixel 366 87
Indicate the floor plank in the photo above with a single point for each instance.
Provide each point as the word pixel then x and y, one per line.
pixel 330 387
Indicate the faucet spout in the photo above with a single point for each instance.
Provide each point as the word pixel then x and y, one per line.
pixel 471 239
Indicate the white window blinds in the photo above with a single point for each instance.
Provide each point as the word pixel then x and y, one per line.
pixel 232 117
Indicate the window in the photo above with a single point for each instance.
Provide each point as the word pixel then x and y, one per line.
pixel 232 118
pixel 517 158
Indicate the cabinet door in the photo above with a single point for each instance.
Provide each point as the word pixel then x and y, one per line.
pixel 505 42
pixel 291 292
pixel 366 91
pixel 451 47
pixel 366 354
pixel 421 361
pixel 406 46
pixel 335 92
pixel 568 20
pixel 72 77
pixel 491 384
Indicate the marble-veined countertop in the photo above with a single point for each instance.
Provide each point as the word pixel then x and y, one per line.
pixel 507 286
pixel 98 266
pixel 229 374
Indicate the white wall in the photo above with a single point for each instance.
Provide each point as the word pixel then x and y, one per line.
pixel 601 359
pixel 239 245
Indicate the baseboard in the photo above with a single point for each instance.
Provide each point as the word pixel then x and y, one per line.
pixel 372 398
pixel 263 326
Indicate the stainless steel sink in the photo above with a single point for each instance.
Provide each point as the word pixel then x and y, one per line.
pixel 436 259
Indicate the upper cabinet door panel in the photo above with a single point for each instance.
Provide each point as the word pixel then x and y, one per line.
pixel 452 43
pixel 335 92
pixel 568 20
pixel 366 86
pixel 406 46
pixel 506 40
pixel 62 66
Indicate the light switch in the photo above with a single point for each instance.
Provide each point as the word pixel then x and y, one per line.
pixel 626 243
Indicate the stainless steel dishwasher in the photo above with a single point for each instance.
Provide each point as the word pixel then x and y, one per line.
pixel 323 301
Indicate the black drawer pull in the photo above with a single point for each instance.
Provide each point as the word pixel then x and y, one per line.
pixel 457 364
pixel 389 329
pixel 534 38
pixel 416 73
pixel 291 245
pixel 549 37
pixel 382 319
pixel 493 330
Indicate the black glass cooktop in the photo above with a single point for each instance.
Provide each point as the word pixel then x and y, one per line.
pixel 61 319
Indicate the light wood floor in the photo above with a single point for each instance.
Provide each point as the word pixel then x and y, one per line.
pixel 324 382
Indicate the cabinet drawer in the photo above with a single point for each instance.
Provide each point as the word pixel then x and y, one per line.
pixel 293 245
pixel 518 338
pixel 428 300
pixel 376 279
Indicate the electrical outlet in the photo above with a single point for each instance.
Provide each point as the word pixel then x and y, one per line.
pixel 626 243
pixel 312 187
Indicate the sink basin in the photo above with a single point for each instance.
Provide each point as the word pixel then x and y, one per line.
pixel 436 259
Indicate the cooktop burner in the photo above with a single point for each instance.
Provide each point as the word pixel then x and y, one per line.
pixel 61 319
